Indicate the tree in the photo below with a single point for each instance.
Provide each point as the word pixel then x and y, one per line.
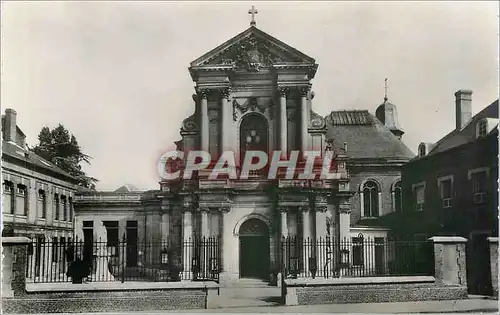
pixel 61 148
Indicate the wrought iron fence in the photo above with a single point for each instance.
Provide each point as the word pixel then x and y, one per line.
pixel 80 261
pixel 355 257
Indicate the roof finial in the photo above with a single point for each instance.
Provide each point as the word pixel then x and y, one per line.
pixel 253 11
pixel 385 87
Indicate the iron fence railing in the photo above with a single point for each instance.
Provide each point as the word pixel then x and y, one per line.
pixel 77 261
pixel 355 257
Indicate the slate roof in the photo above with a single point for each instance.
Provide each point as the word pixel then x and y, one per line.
pixel 365 136
pixel 467 134
pixel 23 155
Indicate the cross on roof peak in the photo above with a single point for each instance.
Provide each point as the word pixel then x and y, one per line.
pixel 253 11
pixel 385 88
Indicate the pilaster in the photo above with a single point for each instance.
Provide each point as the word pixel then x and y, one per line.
pixel 304 118
pixel 283 122
pixel 204 136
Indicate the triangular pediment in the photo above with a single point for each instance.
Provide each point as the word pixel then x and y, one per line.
pixel 252 48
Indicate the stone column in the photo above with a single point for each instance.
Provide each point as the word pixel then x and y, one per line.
pixel 450 261
pixel 303 120
pixel 321 233
pixel 226 252
pixel 165 228
pixel 204 121
pixel 225 118
pixel 284 243
pixel 205 250
pixel 283 122
pixel 14 260
pixel 306 237
pixel 187 236
pixel 284 221
pixel 344 209
pixel 494 264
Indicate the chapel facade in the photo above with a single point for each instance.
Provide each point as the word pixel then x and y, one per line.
pixel 254 92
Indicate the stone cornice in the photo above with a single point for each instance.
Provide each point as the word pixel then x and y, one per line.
pixel 309 68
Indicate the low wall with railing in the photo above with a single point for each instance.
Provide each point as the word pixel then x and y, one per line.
pixel 122 261
pixel 81 277
pixel 364 271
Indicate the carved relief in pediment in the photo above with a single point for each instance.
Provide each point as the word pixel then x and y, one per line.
pixel 252 54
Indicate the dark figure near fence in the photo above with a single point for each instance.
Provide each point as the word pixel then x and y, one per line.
pixel 76 268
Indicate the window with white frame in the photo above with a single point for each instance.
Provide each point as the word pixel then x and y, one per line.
pixel 479 180
pixel 370 203
pixel 419 195
pixel 445 185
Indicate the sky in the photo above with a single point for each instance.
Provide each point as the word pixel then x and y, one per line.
pixel 116 73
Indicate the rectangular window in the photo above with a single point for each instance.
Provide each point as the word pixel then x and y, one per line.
pixel 113 239
pixel 446 191
pixel 64 208
pixel 88 236
pixel 56 206
pixel 41 204
pixel 479 186
pixel 70 209
pixel 8 197
pixel 419 192
pixel 357 251
pixel 22 200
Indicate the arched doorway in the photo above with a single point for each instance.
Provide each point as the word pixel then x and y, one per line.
pixel 254 249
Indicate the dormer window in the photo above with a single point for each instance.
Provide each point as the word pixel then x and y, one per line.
pixel 421 150
pixel 482 128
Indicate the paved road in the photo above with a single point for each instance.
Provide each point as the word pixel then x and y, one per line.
pixel 470 306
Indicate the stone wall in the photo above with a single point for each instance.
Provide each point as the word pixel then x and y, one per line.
pixel 379 293
pixel 109 301
pixel 448 283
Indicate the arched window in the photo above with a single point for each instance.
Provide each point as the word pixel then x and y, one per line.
pixel 253 134
pixel 370 193
pixel 481 128
pixel 421 150
pixel 397 193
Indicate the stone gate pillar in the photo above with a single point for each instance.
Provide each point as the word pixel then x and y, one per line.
pixel 14 260
pixel 493 241
pixel 450 260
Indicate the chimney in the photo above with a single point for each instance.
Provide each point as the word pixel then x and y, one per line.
pixel 463 107
pixel 10 125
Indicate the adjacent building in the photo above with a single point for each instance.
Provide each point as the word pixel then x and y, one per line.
pixel 37 196
pixel 451 187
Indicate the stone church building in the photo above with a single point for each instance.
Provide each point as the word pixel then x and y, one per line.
pixel 254 92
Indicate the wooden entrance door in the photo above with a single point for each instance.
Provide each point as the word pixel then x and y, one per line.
pixel 254 250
